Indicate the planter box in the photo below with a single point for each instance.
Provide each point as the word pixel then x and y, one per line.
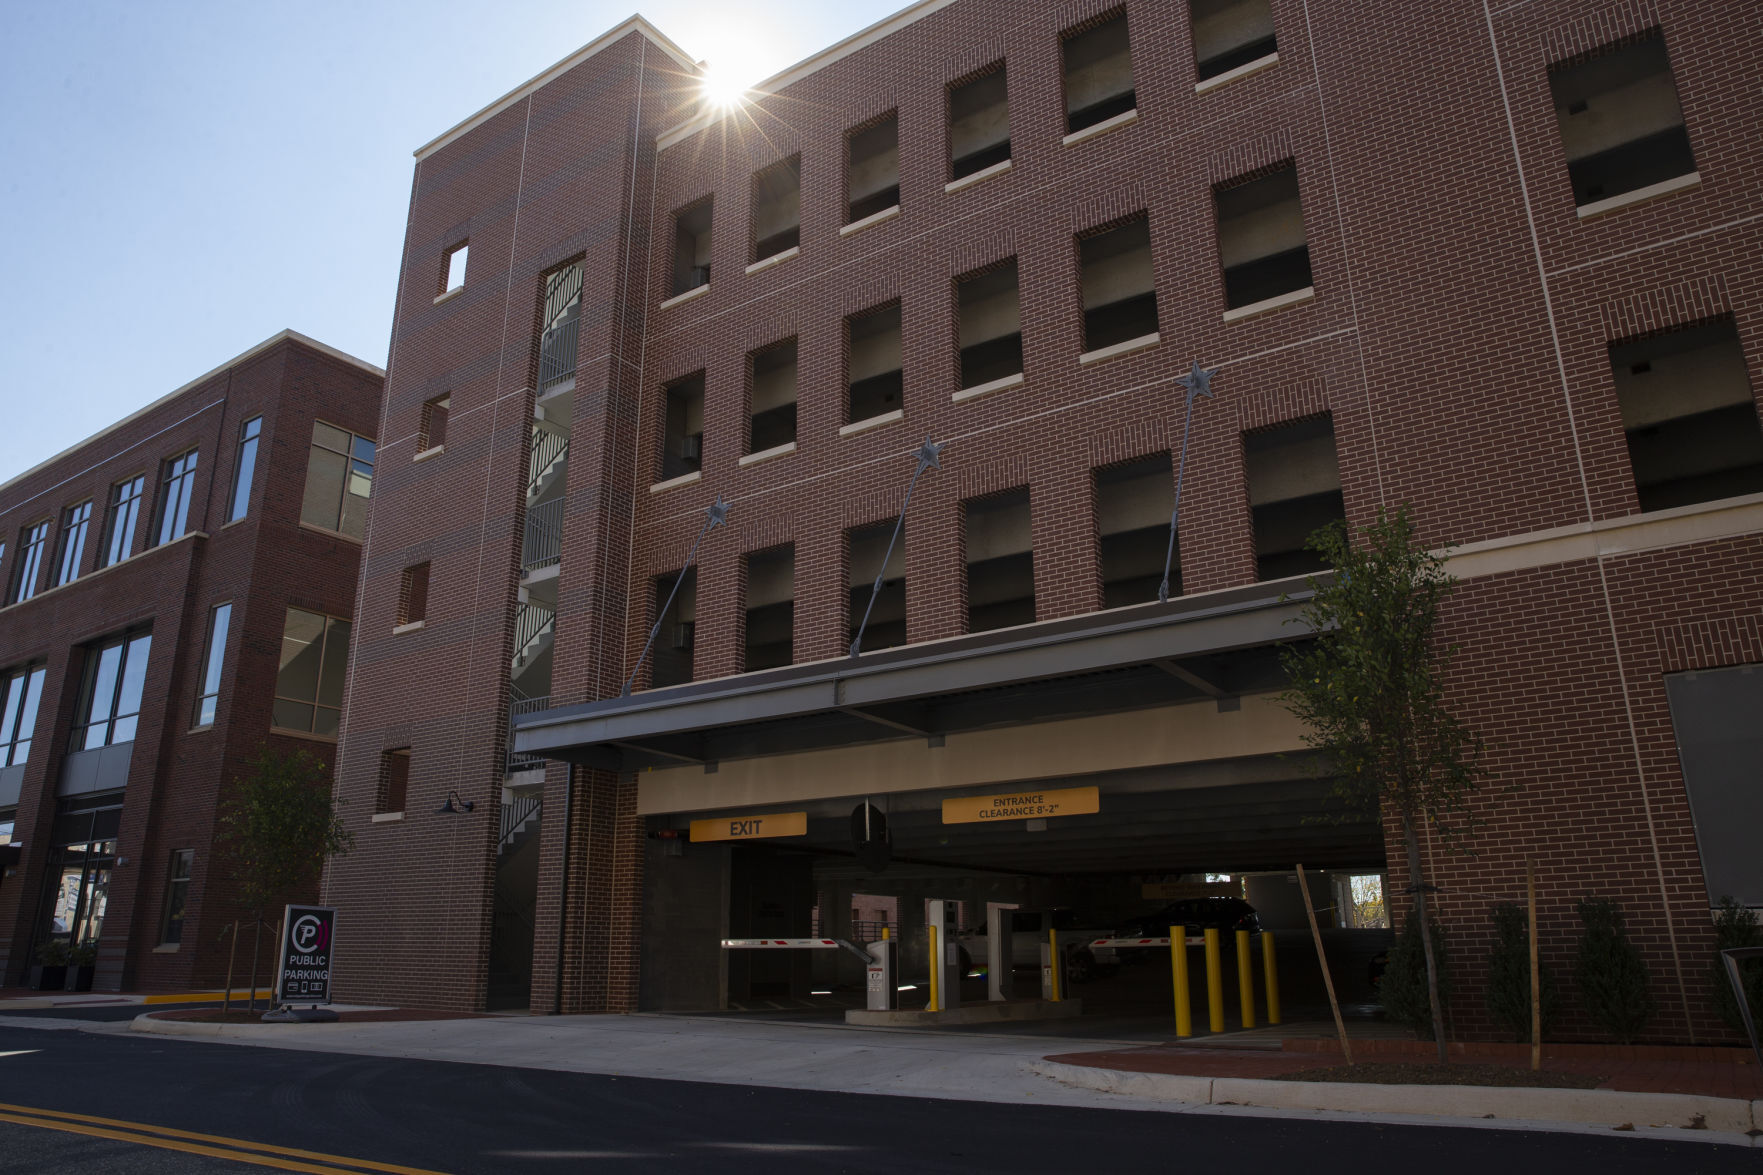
pixel 80 978
pixel 48 978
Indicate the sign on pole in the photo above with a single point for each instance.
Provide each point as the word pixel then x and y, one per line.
pixel 308 938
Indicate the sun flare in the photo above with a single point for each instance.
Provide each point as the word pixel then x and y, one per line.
pixel 721 89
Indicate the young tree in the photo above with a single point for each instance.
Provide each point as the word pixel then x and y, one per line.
pixel 1370 690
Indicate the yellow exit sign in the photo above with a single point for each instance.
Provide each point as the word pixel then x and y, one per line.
pixel 751 827
pixel 1022 805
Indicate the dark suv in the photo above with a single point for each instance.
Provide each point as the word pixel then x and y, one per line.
pixel 1196 914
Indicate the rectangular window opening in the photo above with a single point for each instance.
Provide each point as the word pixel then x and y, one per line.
pixel 110 698
pixel 1229 33
pixel 244 469
pixel 1621 123
pixel 872 168
pixel 453 267
pixel 990 325
pixel 27 566
pixel 1294 490
pixel 682 447
pixel 772 416
pixel 1133 503
pixel 177 890
pixel 339 480
pixel 979 122
pixel 21 693
pixel 1261 243
pixel 670 658
pixel 867 546
pixel 394 782
pixel 1000 561
pixel 413 594
pixel 309 680
pixel 777 208
pixel 1098 74
pixel 771 608
pixel 874 381
pixel 1689 416
pixel 119 521
pixel 691 247
pixel 1719 744
pixel 1119 290
pixel 177 486
pixel 433 427
pixel 70 550
pixel 213 660
pixel 560 311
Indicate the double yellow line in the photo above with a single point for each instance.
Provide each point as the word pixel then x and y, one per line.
pixel 213 1145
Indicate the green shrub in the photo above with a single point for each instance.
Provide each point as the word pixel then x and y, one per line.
pixel 1404 980
pixel 1509 975
pixel 52 952
pixel 1735 926
pixel 1613 980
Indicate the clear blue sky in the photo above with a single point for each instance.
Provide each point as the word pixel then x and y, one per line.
pixel 182 180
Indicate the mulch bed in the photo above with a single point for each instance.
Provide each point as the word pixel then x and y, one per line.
pixel 238 1015
pixel 1396 1073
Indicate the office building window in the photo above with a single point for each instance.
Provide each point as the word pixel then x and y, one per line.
pixel 70 548
pixel 177 485
pixel 691 246
pixel 394 782
pixel 1229 34
pixel 1261 241
pixel 1689 416
pixel 27 567
pixel 979 122
pixel 671 656
pixel 244 469
pixel 682 443
pixel 1098 73
pixel 339 478
pixel 777 208
pixel 110 702
pixel 874 379
pixel 453 266
pixel 120 519
pixel 771 608
pixel 1294 490
pixel 866 547
pixel 1621 125
pixel 989 325
pixel 1133 503
pixel 1000 561
pixel 771 419
pixel 309 681
pixel 872 168
pixel 213 660
pixel 21 690
pixel 177 891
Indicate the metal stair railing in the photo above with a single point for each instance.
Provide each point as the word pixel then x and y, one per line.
pixel 524 704
pixel 548 449
pixel 514 816
pixel 530 622
pixel 543 542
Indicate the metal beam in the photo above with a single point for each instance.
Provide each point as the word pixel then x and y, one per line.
pixel 641 749
pixel 870 716
pixel 1181 672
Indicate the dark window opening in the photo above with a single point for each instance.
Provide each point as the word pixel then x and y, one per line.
pixel 1621 124
pixel 453 266
pixel 1294 490
pixel 1261 241
pixel 1000 562
pixel 979 123
pixel 671 655
pixel 1098 74
pixel 560 329
pixel 27 565
pixel 1133 504
pixel 177 890
pixel 777 208
pixel 394 789
pixel 875 381
pixel 434 423
pixel 990 326
pixel 413 596
pixel 70 547
pixel 887 620
pixel 1719 744
pixel 1119 291
pixel 682 447
pixel 773 413
pixel 771 608
pixel 872 173
pixel 1229 33
pixel 691 247
pixel 1689 415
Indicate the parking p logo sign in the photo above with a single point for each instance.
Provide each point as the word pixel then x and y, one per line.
pixel 304 976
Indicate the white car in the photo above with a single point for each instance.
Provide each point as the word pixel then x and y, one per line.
pixel 1028 930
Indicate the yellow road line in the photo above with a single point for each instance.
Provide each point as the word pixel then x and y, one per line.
pixel 188 1140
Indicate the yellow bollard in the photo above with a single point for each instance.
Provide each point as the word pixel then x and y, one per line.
pixel 1058 969
pixel 1245 979
pixel 884 933
pixel 936 1003
pixel 1270 973
pixel 1214 982
pixel 1178 962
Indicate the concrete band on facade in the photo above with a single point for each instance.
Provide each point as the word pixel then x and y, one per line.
pixel 1456 335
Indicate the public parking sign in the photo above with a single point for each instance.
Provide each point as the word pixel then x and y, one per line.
pixel 308 937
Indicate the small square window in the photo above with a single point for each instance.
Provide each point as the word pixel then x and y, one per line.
pixel 394 781
pixel 691 247
pixel 1294 490
pixel 433 427
pixel 453 269
pixel 1098 74
pixel 1000 561
pixel 771 608
pixel 867 547
pixel 772 408
pixel 1621 125
pixel 671 655
pixel 979 122
pixel 874 379
pixel 872 168
pixel 682 444
pixel 989 325
pixel 777 208
pixel 413 594
pixel 1133 503
pixel 1119 290
pixel 1229 33
pixel 1261 242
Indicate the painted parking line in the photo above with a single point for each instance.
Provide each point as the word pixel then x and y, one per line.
pixel 20 1052
pixel 217 1146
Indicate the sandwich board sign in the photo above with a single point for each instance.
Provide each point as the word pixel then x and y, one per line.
pixel 304 973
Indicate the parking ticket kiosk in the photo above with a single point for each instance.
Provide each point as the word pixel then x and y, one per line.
pixel 945 920
pixel 883 984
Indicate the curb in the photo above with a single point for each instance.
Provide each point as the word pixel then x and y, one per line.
pixel 1593 1107
pixel 146 1023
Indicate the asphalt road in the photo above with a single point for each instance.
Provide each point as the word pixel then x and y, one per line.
pixel 426 1116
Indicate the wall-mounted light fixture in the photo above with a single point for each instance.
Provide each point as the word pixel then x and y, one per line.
pixel 454 804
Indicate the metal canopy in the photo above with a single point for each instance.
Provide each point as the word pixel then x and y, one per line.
pixel 1214 646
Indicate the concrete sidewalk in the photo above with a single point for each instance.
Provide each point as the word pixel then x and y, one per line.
pixel 994 1067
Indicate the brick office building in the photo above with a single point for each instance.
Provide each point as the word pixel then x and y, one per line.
pixel 1499 265
pixel 178 594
